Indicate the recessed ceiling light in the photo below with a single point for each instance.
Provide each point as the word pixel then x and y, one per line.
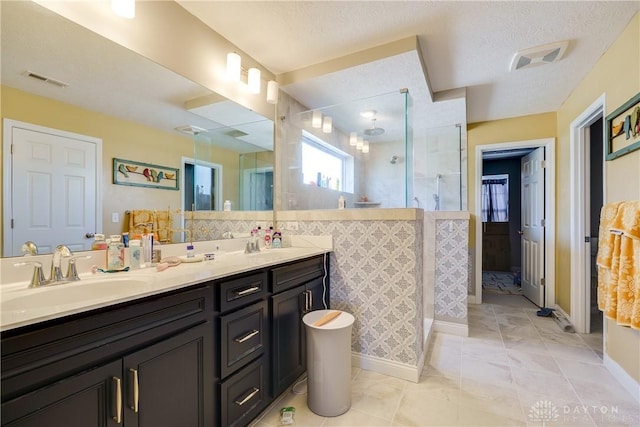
pixel 368 114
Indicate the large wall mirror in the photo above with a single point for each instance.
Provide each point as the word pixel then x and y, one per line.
pixel 57 75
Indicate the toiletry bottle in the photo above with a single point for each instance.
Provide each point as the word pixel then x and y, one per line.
pixel 267 237
pixel 145 260
pixel 277 240
pixel 341 202
pixel 227 205
pixel 99 243
pixel 125 239
pixel 134 253
pixel 190 253
pixel 115 253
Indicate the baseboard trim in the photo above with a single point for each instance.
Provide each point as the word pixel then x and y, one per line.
pixel 622 376
pixel 564 313
pixel 472 299
pixel 451 328
pixel 387 367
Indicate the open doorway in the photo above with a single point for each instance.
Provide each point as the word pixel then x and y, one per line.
pixel 587 198
pixel 545 280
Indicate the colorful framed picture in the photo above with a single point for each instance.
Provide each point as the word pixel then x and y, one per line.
pixel 622 129
pixel 138 174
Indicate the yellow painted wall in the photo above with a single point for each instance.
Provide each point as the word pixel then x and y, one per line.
pixel 120 139
pixel 617 75
pixel 525 128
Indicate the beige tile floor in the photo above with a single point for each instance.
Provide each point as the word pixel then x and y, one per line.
pixel 514 369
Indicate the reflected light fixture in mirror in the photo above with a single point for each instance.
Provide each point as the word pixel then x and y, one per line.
pixel 327 124
pixel 353 139
pixel 272 92
pixel 253 80
pixel 316 120
pixel 365 146
pixel 360 143
pixel 124 8
pixel 233 67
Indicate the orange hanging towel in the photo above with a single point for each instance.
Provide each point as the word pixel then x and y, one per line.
pixel 618 263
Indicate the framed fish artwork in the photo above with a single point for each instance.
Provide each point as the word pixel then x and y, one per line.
pixel 129 172
pixel 622 129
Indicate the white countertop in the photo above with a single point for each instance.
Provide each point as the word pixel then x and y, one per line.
pixel 21 306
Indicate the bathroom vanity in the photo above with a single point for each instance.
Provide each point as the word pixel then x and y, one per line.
pixel 215 352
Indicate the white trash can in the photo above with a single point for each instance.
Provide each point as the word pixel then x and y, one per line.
pixel 328 363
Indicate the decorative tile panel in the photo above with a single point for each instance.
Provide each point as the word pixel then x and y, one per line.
pixel 376 274
pixel 452 272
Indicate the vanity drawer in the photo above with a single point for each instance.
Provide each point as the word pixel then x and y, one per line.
pixel 243 336
pixel 298 273
pixel 242 291
pixel 244 395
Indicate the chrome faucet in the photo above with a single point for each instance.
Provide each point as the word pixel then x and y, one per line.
pixel 56 277
pixel 29 248
pixel 56 264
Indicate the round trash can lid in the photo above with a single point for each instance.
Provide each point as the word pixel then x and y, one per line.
pixel 343 320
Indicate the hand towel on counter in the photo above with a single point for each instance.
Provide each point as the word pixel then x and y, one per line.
pixel 618 263
pixel 144 221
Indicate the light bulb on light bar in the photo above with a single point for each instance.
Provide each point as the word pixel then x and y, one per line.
pixel 124 8
pixel 365 146
pixel 353 139
pixel 253 80
pixel 327 124
pixel 233 67
pixel 316 120
pixel 360 143
pixel 272 92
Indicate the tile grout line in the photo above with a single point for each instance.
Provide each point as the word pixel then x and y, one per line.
pixel 511 374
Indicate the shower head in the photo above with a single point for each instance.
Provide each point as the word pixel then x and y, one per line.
pixel 373 130
pixel 393 160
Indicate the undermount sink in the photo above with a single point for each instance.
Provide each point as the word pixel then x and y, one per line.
pixel 73 293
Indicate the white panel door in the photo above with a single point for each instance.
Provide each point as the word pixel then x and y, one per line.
pixel 53 192
pixel 533 256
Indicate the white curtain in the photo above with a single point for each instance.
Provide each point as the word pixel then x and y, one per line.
pixel 495 200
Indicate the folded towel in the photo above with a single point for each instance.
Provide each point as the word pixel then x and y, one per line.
pixel 145 221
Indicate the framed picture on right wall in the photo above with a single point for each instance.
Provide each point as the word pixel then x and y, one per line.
pixel 622 129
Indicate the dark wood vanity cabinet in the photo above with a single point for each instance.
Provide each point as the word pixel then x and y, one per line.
pixel 214 354
pixel 137 364
pixel 302 290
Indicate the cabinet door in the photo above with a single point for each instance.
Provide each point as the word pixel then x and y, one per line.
pixel 171 383
pixel 288 342
pixel 85 400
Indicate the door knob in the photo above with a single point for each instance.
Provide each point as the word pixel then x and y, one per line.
pixel 520 232
pixel 90 235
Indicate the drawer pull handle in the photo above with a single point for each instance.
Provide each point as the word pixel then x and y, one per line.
pixel 136 390
pixel 248 398
pixel 248 291
pixel 118 385
pixel 247 337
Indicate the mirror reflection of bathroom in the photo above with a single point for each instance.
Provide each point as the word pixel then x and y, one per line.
pixel 368 151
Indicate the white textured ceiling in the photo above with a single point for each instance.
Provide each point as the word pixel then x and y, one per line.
pixel 464 44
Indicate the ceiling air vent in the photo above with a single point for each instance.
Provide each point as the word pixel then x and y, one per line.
pixel 235 133
pixel 45 79
pixel 190 129
pixel 547 54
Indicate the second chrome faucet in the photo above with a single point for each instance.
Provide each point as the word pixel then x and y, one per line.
pixel 56 277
